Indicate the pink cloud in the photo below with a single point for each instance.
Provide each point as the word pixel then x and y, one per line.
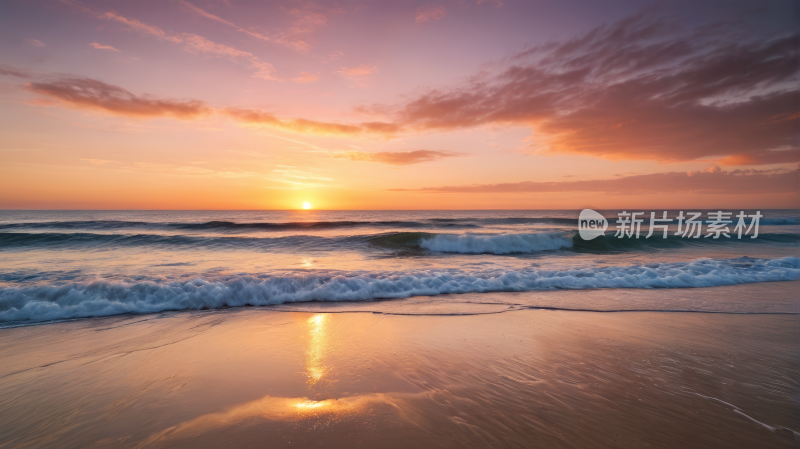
pixel 709 181
pixel 397 157
pixel 763 158
pixel 429 12
pixel 305 77
pixel 6 69
pixel 636 89
pixel 307 19
pixel 139 26
pixel 361 70
pixel 35 42
pixel 84 93
pixel 256 117
pixel 103 47
pixel 193 43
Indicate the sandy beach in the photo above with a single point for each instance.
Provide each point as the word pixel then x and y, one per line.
pixel 261 377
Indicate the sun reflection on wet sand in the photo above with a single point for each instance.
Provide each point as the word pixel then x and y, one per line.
pixel 318 344
pixel 268 409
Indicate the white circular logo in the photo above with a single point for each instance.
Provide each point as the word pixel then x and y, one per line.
pixel 591 224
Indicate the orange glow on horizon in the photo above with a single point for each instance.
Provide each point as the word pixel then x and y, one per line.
pixel 309 118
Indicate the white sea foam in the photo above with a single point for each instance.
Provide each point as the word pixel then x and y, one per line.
pixel 497 243
pixel 102 298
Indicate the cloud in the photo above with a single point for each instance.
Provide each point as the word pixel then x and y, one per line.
pixel 307 19
pixel 397 157
pixel 361 70
pixel 763 158
pixel 261 118
pixel 305 77
pixel 709 181
pixel 358 72
pixel 140 26
pixel 103 47
pixel 35 43
pixel 97 161
pixel 199 45
pixel 85 93
pixel 640 88
pixel 429 12
pixel 6 69
pixel 193 43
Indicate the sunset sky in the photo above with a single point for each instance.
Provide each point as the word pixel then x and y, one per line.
pixel 471 104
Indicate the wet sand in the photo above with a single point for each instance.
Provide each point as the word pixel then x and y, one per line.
pixel 259 377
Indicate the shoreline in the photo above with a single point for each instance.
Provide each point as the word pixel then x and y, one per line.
pixel 211 378
pixel 774 298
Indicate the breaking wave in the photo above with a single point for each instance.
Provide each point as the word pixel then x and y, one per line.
pixel 103 298
pixel 497 244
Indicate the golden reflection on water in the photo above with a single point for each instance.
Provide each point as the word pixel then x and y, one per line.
pixel 318 345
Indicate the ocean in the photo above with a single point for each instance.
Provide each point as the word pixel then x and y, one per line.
pixel 66 265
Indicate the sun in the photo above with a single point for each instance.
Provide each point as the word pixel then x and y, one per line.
pixel 306 205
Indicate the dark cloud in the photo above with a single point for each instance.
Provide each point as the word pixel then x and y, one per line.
pixel 710 181
pixel 397 157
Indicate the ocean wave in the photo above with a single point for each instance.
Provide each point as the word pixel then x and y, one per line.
pixel 468 243
pixel 89 241
pixel 496 243
pixel 103 298
pixel 231 226
pixel 567 241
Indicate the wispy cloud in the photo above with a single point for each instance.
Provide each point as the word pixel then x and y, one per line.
pixel 6 69
pixel 307 19
pixel 86 93
pixel 430 12
pixel 193 43
pixel 397 157
pixel 35 42
pixel 97 161
pixel 710 181
pixel 190 170
pixel 297 178
pixel 257 117
pixel 635 89
pixel 92 94
pixel 360 70
pixel 305 77
pixel 102 47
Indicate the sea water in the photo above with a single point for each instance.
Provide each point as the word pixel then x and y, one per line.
pixel 57 265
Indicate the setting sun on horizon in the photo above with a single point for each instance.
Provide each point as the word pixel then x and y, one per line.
pixel 380 105
pixel 392 224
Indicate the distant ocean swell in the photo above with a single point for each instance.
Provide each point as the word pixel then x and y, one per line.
pixel 228 226
pixel 103 298
pixel 465 243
